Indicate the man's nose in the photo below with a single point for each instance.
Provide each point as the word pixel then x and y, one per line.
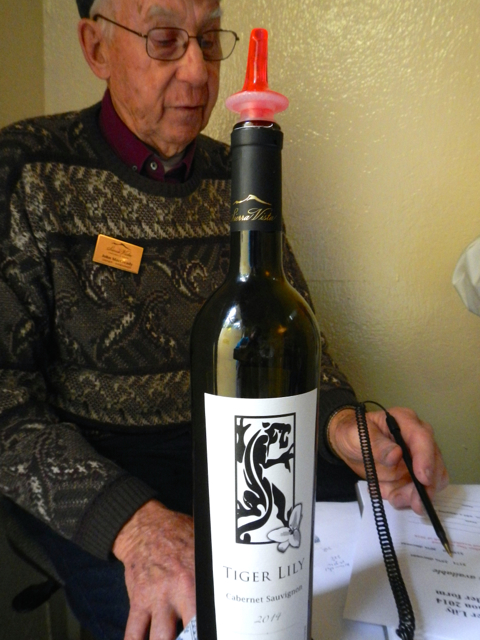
pixel 192 65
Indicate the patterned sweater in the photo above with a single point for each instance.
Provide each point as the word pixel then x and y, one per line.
pixel 86 346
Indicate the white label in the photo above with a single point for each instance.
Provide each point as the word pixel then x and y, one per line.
pixel 261 457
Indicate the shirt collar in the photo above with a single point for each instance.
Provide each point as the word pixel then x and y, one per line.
pixel 135 153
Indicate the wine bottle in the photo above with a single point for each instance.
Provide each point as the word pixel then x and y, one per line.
pixel 255 354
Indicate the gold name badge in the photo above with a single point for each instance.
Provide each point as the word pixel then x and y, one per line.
pixel 118 254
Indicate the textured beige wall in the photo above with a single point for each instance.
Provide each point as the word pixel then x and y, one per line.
pixel 69 83
pixel 21 55
pixel 381 184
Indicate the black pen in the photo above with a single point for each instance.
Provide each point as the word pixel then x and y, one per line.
pixel 427 503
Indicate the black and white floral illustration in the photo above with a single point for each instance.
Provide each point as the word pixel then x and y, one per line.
pixel 288 536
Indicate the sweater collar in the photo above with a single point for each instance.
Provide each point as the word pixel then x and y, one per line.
pixel 135 153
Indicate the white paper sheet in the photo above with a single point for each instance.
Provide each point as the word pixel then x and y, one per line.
pixel 336 530
pixel 190 631
pixel 445 592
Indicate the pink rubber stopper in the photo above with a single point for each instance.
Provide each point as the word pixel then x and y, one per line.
pixel 256 101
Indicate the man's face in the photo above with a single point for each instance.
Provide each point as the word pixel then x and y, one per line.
pixel 165 104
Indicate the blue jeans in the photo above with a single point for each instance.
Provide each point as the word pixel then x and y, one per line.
pixel 95 589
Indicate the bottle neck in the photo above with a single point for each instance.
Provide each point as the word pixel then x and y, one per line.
pixel 256 253
pixel 256 211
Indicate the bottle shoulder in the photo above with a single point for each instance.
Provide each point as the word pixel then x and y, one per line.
pixel 256 341
pixel 258 303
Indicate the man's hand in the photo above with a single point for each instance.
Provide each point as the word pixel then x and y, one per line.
pixel 395 483
pixel 157 548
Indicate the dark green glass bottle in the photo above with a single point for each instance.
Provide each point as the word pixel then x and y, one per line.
pixel 255 357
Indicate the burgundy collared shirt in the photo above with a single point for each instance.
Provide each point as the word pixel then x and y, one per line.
pixel 135 153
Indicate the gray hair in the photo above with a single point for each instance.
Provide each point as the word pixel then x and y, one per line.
pixel 101 6
pixel 106 8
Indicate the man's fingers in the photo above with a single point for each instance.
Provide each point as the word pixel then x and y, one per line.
pixel 396 484
pixel 137 624
pixel 386 453
pixel 156 547
pixel 402 492
pixel 401 497
pixel 188 607
pixel 419 438
pixel 162 620
pixel 185 600
pixel 186 620
pixel 405 496
pixel 164 625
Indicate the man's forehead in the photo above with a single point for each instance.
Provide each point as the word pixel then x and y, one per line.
pixel 207 9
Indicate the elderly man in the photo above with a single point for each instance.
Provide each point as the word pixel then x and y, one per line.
pixel 95 447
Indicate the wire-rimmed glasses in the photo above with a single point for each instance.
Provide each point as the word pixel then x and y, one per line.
pixel 170 43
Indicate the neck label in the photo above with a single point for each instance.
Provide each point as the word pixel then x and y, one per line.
pixel 254 214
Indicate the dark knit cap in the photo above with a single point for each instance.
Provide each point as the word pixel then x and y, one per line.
pixel 84 7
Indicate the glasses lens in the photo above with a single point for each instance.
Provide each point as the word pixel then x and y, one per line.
pixel 166 43
pixel 217 44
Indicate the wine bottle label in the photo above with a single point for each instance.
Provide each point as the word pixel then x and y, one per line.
pixel 254 214
pixel 261 458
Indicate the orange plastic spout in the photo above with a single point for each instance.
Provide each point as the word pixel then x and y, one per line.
pixel 256 101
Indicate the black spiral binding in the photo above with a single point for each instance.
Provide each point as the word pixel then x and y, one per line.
pixel 406 627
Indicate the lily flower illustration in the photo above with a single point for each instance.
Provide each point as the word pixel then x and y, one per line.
pixel 288 536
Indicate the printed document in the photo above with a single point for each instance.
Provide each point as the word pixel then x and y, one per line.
pixel 444 591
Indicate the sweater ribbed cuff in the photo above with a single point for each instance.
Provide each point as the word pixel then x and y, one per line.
pixel 109 512
pixel 331 401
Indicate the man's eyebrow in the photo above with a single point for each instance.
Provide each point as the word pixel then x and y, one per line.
pixel 157 10
pixel 216 13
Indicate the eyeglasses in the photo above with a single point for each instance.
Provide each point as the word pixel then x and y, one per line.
pixel 170 43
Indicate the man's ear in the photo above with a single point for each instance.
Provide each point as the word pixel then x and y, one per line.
pixel 94 47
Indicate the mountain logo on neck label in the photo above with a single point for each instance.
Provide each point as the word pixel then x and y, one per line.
pixel 252 197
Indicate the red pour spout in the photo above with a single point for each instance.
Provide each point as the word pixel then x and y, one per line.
pixel 257 64
pixel 256 101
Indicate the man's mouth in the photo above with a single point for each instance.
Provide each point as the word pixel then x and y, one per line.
pixel 187 106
